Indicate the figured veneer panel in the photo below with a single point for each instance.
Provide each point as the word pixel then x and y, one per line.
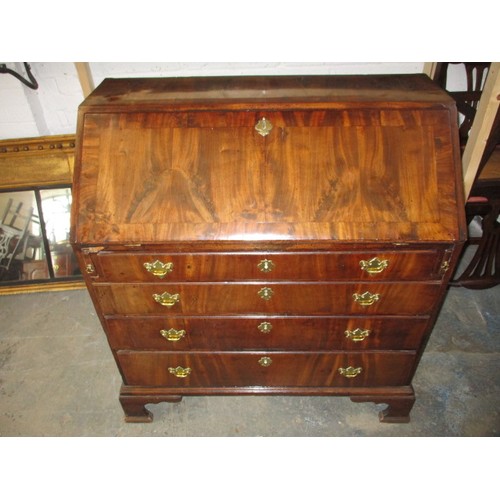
pixel 331 179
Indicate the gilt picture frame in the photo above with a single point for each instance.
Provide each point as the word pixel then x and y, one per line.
pixel 35 199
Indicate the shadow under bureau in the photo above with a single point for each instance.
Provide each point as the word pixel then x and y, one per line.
pixel 268 235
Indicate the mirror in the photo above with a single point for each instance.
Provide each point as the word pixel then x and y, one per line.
pixel 34 235
pixel 35 204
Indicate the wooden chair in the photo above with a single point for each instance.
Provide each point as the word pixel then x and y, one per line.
pixel 482 270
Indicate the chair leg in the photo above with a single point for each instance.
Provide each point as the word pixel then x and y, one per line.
pixel 483 271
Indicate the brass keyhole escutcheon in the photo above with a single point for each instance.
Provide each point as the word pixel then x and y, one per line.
pixel 265 361
pixel 167 299
pixel 263 127
pixel 366 299
pixel 445 266
pixel 158 268
pixel 179 371
pixel 265 327
pixel 357 335
pixel 173 335
pixel 266 265
pixel 265 293
pixel 350 371
pixel 373 266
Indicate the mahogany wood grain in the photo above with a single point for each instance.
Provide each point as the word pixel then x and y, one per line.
pixel 296 266
pixel 242 333
pixel 236 298
pixel 219 369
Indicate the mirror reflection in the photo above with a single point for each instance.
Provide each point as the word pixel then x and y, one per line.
pixel 34 235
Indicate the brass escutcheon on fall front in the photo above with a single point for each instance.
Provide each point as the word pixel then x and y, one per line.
pixel 179 372
pixel 167 299
pixel 350 371
pixel 158 268
pixel 373 266
pixel 263 127
pixel 357 335
pixel 366 299
pixel 173 335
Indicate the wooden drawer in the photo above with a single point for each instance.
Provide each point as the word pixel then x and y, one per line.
pixel 284 299
pixel 183 333
pixel 329 266
pixel 265 369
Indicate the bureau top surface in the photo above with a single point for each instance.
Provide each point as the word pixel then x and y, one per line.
pixel 261 159
pixel 257 91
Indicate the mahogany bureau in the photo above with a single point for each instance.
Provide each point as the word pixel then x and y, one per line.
pixel 268 235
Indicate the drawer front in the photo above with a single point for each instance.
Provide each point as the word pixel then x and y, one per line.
pixel 266 369
pixel 285 299
pixel 330 266
pixel 264 332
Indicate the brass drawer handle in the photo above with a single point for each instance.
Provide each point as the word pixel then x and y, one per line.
pixel 350 371
pixel 265 327
pixel 265 361
pixel 357 335
pixel 167 299
pixel 158 268
pixel 265 293
pixel 366 299
pixel 373 266
pixel 179 372
pixel 266 265
pixel 173 335
pixel 263 127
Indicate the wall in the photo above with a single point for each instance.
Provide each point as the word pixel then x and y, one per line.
pixel 49 110
pixel 52 108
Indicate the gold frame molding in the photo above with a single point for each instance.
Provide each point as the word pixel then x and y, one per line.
pixel 38 162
